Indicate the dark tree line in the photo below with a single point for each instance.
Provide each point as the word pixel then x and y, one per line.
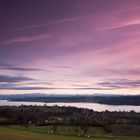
pixel 64 116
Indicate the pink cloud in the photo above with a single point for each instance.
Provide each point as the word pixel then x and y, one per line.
pixel 26 39
pixel 120 25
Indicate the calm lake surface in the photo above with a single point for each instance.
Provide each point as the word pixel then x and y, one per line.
pixel 94 106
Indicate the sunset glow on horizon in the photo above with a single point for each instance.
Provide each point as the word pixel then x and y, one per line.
pixel 70 47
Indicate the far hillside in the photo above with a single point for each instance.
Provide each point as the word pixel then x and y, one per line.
pixel 103 99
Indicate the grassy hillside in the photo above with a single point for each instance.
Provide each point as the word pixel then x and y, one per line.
pixel 17 133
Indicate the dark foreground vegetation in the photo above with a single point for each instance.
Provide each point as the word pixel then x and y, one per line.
pixel 104 99
pixel 71 120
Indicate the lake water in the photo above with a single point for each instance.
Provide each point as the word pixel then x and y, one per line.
pixel 94 106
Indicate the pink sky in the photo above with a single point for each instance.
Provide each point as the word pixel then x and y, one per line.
pixel 74 47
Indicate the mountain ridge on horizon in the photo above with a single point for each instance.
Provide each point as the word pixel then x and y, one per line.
pixel 94 98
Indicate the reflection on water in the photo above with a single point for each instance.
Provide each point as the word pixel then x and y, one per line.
pixel 94 106
pixel 99 107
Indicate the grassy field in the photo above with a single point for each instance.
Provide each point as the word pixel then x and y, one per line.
pixel 65 130
pixel 36 133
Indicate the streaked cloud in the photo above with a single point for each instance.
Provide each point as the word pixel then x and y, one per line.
pixel 16 68
pixel 13 79
pixel 45 24
pixel 120 83
pixel 25 39
pixel 17 87
pixel 124 24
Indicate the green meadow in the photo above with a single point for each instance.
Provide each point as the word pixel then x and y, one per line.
pixel 41 133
